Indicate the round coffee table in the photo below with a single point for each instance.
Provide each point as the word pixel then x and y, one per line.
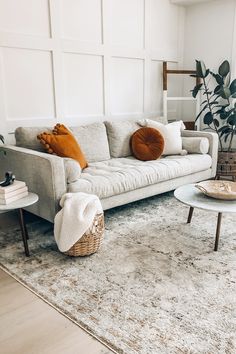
pixel 19 204
pixel 192 197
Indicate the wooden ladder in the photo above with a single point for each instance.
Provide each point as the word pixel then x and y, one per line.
pixel 191 124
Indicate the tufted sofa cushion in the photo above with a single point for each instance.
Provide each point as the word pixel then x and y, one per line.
pixel 120 175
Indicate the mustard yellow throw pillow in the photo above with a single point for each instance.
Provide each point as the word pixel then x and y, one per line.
pixel 62 143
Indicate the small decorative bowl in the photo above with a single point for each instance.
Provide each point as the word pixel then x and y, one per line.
pixel 225 190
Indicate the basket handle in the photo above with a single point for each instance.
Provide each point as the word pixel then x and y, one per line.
pixel 201 188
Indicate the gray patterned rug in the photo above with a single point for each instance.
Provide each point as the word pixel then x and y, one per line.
pixel 155 286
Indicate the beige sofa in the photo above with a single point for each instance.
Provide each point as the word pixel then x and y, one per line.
pixel 113 174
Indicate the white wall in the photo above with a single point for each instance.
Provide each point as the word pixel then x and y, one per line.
pixel 209 32
pixel 79 61
pixel 210 35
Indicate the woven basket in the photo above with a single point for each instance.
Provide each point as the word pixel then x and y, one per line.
pixel 226 165
pixel 91 240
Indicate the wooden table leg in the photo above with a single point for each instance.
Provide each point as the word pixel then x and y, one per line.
pixel 190 214
pixel 218 231
pixel 24 231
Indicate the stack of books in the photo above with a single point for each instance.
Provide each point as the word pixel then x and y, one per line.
pixel 13 192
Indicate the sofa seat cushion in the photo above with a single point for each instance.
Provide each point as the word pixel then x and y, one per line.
pixel 120 175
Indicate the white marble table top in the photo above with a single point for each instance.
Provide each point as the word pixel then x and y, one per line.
pixel 191 196
pixel 30 199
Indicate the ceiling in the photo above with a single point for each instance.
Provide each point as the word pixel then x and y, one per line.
pixel 188 2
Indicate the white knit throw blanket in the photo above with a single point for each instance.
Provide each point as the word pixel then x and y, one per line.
pixel 75 217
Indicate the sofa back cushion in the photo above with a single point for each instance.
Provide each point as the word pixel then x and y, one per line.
pixel 26 137
pixel 119 134
pixel 92 139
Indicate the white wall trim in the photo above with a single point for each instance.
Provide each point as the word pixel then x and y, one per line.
pixel 58 44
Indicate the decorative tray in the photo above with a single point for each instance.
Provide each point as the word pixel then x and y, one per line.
pixel 225 190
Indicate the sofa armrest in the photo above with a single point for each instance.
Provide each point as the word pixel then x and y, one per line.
pixel 43 173
pixel 213 144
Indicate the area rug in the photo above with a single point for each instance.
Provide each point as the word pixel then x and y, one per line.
pixel 155 286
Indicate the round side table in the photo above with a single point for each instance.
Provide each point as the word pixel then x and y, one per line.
pixel 30 199
pixel 191 196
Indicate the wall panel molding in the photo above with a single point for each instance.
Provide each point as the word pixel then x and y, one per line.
pixel 108 39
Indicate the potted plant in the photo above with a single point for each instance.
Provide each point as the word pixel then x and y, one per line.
pixel 219 109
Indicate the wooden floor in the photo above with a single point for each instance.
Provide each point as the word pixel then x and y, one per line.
pixel 30 326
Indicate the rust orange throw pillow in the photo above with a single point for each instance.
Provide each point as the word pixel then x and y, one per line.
pixel 62 143
pixel 147 144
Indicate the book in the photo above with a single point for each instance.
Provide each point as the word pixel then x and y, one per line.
pixel 16 185
pixel 13 193
pixel 14 198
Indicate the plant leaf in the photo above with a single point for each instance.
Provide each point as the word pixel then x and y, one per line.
pixel 232 87
pixel 226 136
pixel 227 130
pixel 224 114
pixel 219 111
pixel 227 80
pixel 232 119
pixel 207 92
pixel 2 138
pixel 223 129
pixel 213 103
pixel 225 92
pixel 208 118
pixel 218 78
pixel 216 122
pixel 201 69
pixel 224 68
pixel 196 90
pixel 217 89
